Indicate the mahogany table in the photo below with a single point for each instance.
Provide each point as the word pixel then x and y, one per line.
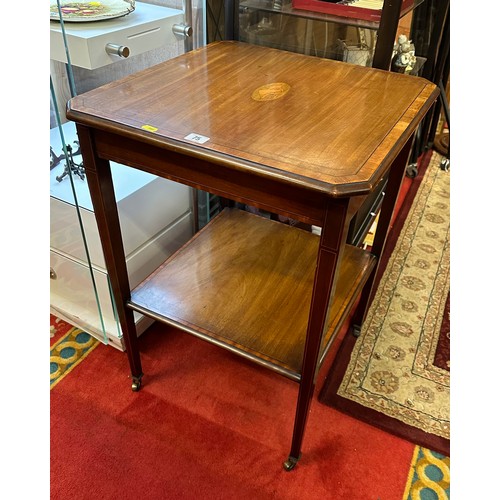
pixel 305 137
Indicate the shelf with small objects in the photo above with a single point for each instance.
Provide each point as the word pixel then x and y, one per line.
pixel 335 30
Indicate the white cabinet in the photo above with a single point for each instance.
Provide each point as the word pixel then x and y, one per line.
pixel 79 291
pixel 147 28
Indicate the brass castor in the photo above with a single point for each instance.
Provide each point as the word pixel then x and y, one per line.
pixel 412 170
pixel 136 383
pixel 356 330
pixel 290 463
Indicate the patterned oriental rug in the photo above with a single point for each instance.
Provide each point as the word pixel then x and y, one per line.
pixel 396 375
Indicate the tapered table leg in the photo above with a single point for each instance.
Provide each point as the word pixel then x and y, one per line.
pixel 333 237
pixel 106 215
pixel 393 187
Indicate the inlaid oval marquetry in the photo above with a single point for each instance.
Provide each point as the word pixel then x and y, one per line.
pixel 270 91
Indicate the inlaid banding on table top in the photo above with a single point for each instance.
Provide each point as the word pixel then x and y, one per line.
pixel 335 125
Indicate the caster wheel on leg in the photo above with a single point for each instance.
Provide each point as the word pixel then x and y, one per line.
pixel 136 384
pixel 411 170
pixel 356 331
pixel 290 463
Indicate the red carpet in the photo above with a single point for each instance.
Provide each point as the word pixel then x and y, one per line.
pixel 208 424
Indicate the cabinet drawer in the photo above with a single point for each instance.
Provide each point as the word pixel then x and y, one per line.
pixel 72 292
pixel 147 204
pixel 146 28
pixel 71 289
pixel 144 214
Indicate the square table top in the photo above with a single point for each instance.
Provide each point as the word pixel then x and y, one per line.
pixel 327 125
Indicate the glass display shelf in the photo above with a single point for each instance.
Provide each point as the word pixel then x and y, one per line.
pixel 318 32
pixel 285 7
pixel 127 181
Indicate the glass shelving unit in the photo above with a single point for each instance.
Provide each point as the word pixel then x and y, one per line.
pixel 86 55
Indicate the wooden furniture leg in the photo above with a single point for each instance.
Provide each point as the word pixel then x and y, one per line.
pixel 106 211
pixel 332 241
pixel 393 187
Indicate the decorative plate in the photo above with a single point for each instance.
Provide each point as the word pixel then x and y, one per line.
pixel 78 12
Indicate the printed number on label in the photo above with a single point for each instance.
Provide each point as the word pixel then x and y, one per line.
pixel 199 139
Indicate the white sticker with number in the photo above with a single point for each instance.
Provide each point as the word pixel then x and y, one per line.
pixel 199 139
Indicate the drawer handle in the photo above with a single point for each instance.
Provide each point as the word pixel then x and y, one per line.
pixel 182 30
pixel 117 50
pixel 53 275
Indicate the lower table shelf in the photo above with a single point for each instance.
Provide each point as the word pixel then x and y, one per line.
pixel 244 282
